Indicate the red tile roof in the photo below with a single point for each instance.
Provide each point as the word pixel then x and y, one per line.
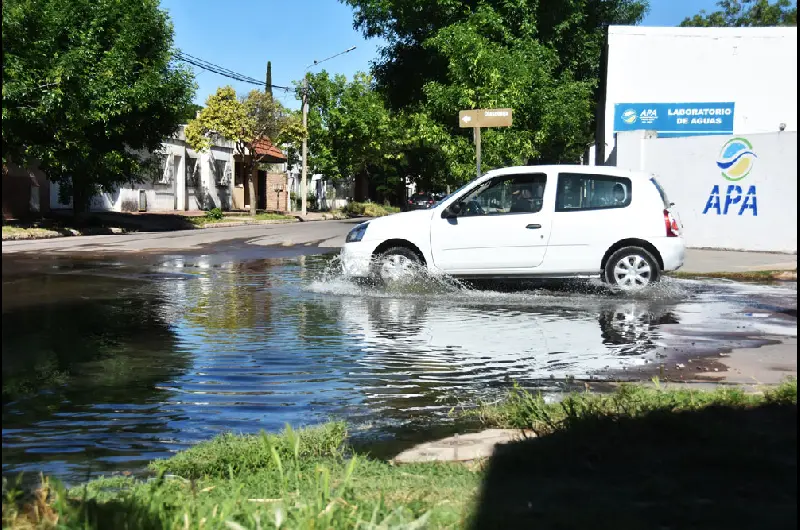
pixel 265 148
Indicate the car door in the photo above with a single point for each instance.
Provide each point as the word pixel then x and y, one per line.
pixel 505 227
pixel 592 212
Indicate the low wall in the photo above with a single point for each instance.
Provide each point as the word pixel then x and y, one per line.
pixel 732 192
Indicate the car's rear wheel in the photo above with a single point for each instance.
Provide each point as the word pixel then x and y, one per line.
pixel 396 264
pixel 631 268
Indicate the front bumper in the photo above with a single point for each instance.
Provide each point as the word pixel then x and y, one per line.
pixel 356 260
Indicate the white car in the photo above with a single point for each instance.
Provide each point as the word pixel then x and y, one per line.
pixel 530 222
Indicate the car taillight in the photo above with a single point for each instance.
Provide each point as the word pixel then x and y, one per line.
pixel 673 230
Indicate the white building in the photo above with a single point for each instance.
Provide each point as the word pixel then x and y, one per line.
pixel 184 179
pixel 696 81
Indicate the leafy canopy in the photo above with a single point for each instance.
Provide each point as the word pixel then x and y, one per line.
pixel 746 13
pixel 538 57
pixel 88 85
pixel 241 120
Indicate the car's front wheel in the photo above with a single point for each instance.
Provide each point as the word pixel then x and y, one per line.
pixel 396 264
pixel 631 268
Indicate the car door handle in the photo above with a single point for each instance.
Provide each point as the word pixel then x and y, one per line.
pixel 533 226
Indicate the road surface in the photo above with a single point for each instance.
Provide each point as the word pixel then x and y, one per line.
pixel 329 235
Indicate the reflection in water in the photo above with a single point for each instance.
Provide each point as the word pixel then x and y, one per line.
pixel 111 366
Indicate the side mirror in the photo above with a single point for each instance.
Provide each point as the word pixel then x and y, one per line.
pixel 453 210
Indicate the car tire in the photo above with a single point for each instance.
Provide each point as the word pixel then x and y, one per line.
pixel 395 264
pixel 631 268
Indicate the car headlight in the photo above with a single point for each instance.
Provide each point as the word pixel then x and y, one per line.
pixel 357 233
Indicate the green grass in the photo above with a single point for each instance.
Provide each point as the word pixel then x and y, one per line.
pixel 206 221
pixel 745 276
pixel 17 232
pixel 642 457
pixel 368 209
pixel 526 410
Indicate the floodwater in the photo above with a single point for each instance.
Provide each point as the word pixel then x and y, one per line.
pixel 109 364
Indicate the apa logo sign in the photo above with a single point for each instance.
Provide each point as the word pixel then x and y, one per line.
pixel 736 161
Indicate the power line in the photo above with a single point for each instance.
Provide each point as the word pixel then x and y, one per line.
pixel 221 70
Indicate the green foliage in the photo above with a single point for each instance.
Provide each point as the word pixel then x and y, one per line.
pixel 368 209
pixel 539 58
pixel 523 410
pixel 230 454
pixel 88 85
pixel 746 13
pixel 215 214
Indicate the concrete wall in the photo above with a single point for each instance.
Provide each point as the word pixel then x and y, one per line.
pixel 755 68
pixel 731 192
pixel 172 190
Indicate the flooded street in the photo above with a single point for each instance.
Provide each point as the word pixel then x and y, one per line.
pixel 109 363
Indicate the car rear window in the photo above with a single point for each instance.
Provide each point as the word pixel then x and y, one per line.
pixel 584 191
pixel 662 193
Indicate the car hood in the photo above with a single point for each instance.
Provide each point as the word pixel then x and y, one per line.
pixel 402 217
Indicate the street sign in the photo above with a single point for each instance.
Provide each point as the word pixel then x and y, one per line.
pixel 485 118
pixel 477 118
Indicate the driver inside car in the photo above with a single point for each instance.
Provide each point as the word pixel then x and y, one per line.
pixel 523 201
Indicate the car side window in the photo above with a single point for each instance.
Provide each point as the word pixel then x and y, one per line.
pixel 582 191
pixel 507 195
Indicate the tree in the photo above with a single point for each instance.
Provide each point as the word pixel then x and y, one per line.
pixel 352 133
pixel 243 121
pixel 191 112
pixel 746 13
pixel 538 57
pixel 89 85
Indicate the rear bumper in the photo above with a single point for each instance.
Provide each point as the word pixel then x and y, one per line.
pixel 672 250
pixel 356 260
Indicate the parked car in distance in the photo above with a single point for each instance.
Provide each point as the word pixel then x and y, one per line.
pixel 421 201
pixel 530 222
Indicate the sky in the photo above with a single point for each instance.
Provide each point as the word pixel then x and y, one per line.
pixel 293 34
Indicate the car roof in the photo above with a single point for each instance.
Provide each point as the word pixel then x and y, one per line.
pixel 612 171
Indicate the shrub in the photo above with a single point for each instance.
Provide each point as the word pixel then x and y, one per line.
pixel 215 214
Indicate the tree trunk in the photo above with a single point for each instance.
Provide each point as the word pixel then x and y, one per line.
pixel 80 202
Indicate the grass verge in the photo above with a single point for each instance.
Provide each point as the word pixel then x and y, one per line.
pixel 643 457
pixel 368 209
pixel 49 230
pixel 201 222
pixel 745 276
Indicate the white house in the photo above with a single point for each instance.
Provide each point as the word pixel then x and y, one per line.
pixel 184 179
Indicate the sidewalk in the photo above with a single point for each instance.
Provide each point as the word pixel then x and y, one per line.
pixel 701 261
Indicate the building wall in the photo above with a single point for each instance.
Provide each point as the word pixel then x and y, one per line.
pixel 26 192
pixel 756 212
pixel 172 188
pixel 755 68
pixel 277 192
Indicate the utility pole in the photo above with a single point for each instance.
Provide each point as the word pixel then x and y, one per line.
pixel 304 173
pixel 304 181
pixel 268 88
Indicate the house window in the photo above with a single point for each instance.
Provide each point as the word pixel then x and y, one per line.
pixel 580 191
pixel 192 172
pixel 157 166
pixel 222 173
